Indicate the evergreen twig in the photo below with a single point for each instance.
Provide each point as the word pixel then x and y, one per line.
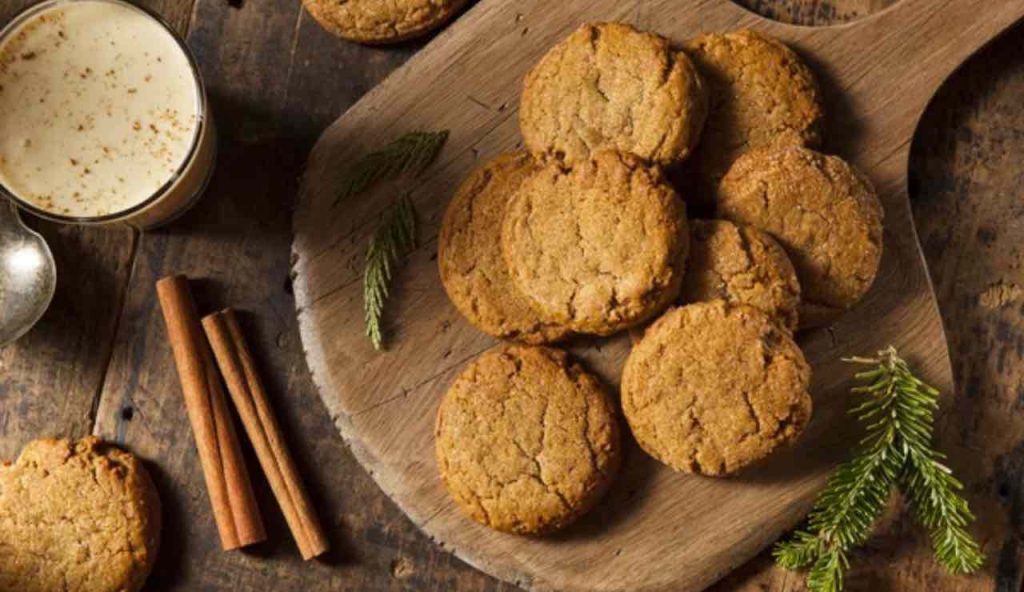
pixel 392 240
pixel 898 414
pixel 408 155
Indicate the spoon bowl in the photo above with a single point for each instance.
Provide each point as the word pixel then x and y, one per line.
pixel 28 275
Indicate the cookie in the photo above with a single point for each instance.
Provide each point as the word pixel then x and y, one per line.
pixel 469 254
pixel 376 22
pixel 741 265
pixel 609 86
pixel 761 95
pixel 598 247
pixel 824 213
pixel 713 387
pixel 76 516
pixel 527 441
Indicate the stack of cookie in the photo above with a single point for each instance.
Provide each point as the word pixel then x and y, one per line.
pixel 584 234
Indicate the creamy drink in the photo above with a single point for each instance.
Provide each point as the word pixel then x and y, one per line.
pixel 102 115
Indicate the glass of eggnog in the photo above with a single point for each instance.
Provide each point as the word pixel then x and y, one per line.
pixel 103 115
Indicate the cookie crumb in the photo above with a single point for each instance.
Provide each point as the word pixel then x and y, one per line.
pixel 1000 294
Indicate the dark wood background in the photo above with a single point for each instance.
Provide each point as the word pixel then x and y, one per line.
pixel 99 362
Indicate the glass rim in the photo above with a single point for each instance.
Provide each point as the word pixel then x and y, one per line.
pixel 197 136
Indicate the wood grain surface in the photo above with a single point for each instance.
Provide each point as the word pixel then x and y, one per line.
pixel 877 74
pixel 99 361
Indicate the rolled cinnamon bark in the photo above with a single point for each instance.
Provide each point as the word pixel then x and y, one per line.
pixel 245 386
pixel 227 481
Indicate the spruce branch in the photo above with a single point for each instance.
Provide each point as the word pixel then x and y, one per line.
pixel 826 575
pixel 395 237
pixel 898 414
pixel 932 490
pixel 409 155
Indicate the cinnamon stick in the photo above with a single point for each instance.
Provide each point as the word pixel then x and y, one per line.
pixel 245 386
pixel 227 481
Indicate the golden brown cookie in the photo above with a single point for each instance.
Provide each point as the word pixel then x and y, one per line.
pixel 824 213
pixel 76 516
pixel 761 95
pixel 379 22
pixel 609 86
pixel 713 387
pixel 469 254
pixel 741 265
pixel 527 441
pixel 599 247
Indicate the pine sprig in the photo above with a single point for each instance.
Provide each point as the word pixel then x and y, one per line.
pixel 409 155
pixel 932 491
pixel 898 412
pixel 826 575
pixel 393 239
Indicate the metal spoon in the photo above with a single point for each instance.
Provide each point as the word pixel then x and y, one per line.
pixel 28 275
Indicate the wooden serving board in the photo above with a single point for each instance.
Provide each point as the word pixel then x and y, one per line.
pixel 655 530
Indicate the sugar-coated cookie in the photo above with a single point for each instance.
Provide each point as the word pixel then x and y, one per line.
pixel 379 21
pixel 527 441
pixel 469 257
pixel 825 214
pixel 598 247
pixel 713 387
pixel 742 265
pixel 761 95
pixel 610 87
pixel 76 516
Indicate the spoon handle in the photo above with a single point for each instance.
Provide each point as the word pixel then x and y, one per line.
pixel 10 221
pixel 28 275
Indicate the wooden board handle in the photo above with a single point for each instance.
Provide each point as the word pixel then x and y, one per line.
pixel 879 73
pixel 924 41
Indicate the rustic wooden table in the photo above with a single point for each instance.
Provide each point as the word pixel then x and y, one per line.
pixel 99 362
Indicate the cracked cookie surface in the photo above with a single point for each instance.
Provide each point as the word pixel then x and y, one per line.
pixel 741 265
pixel 824 213
pixel 599 247
pixel 713 387
pixel 381 21
pixel 609 86
pixel 526 440
pixel 76 516
pixel 761 94
pixel 469 254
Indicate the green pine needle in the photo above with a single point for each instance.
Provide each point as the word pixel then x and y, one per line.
pixel 392 240
pixel 408 155
pixel 899 416
pixel 826 575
